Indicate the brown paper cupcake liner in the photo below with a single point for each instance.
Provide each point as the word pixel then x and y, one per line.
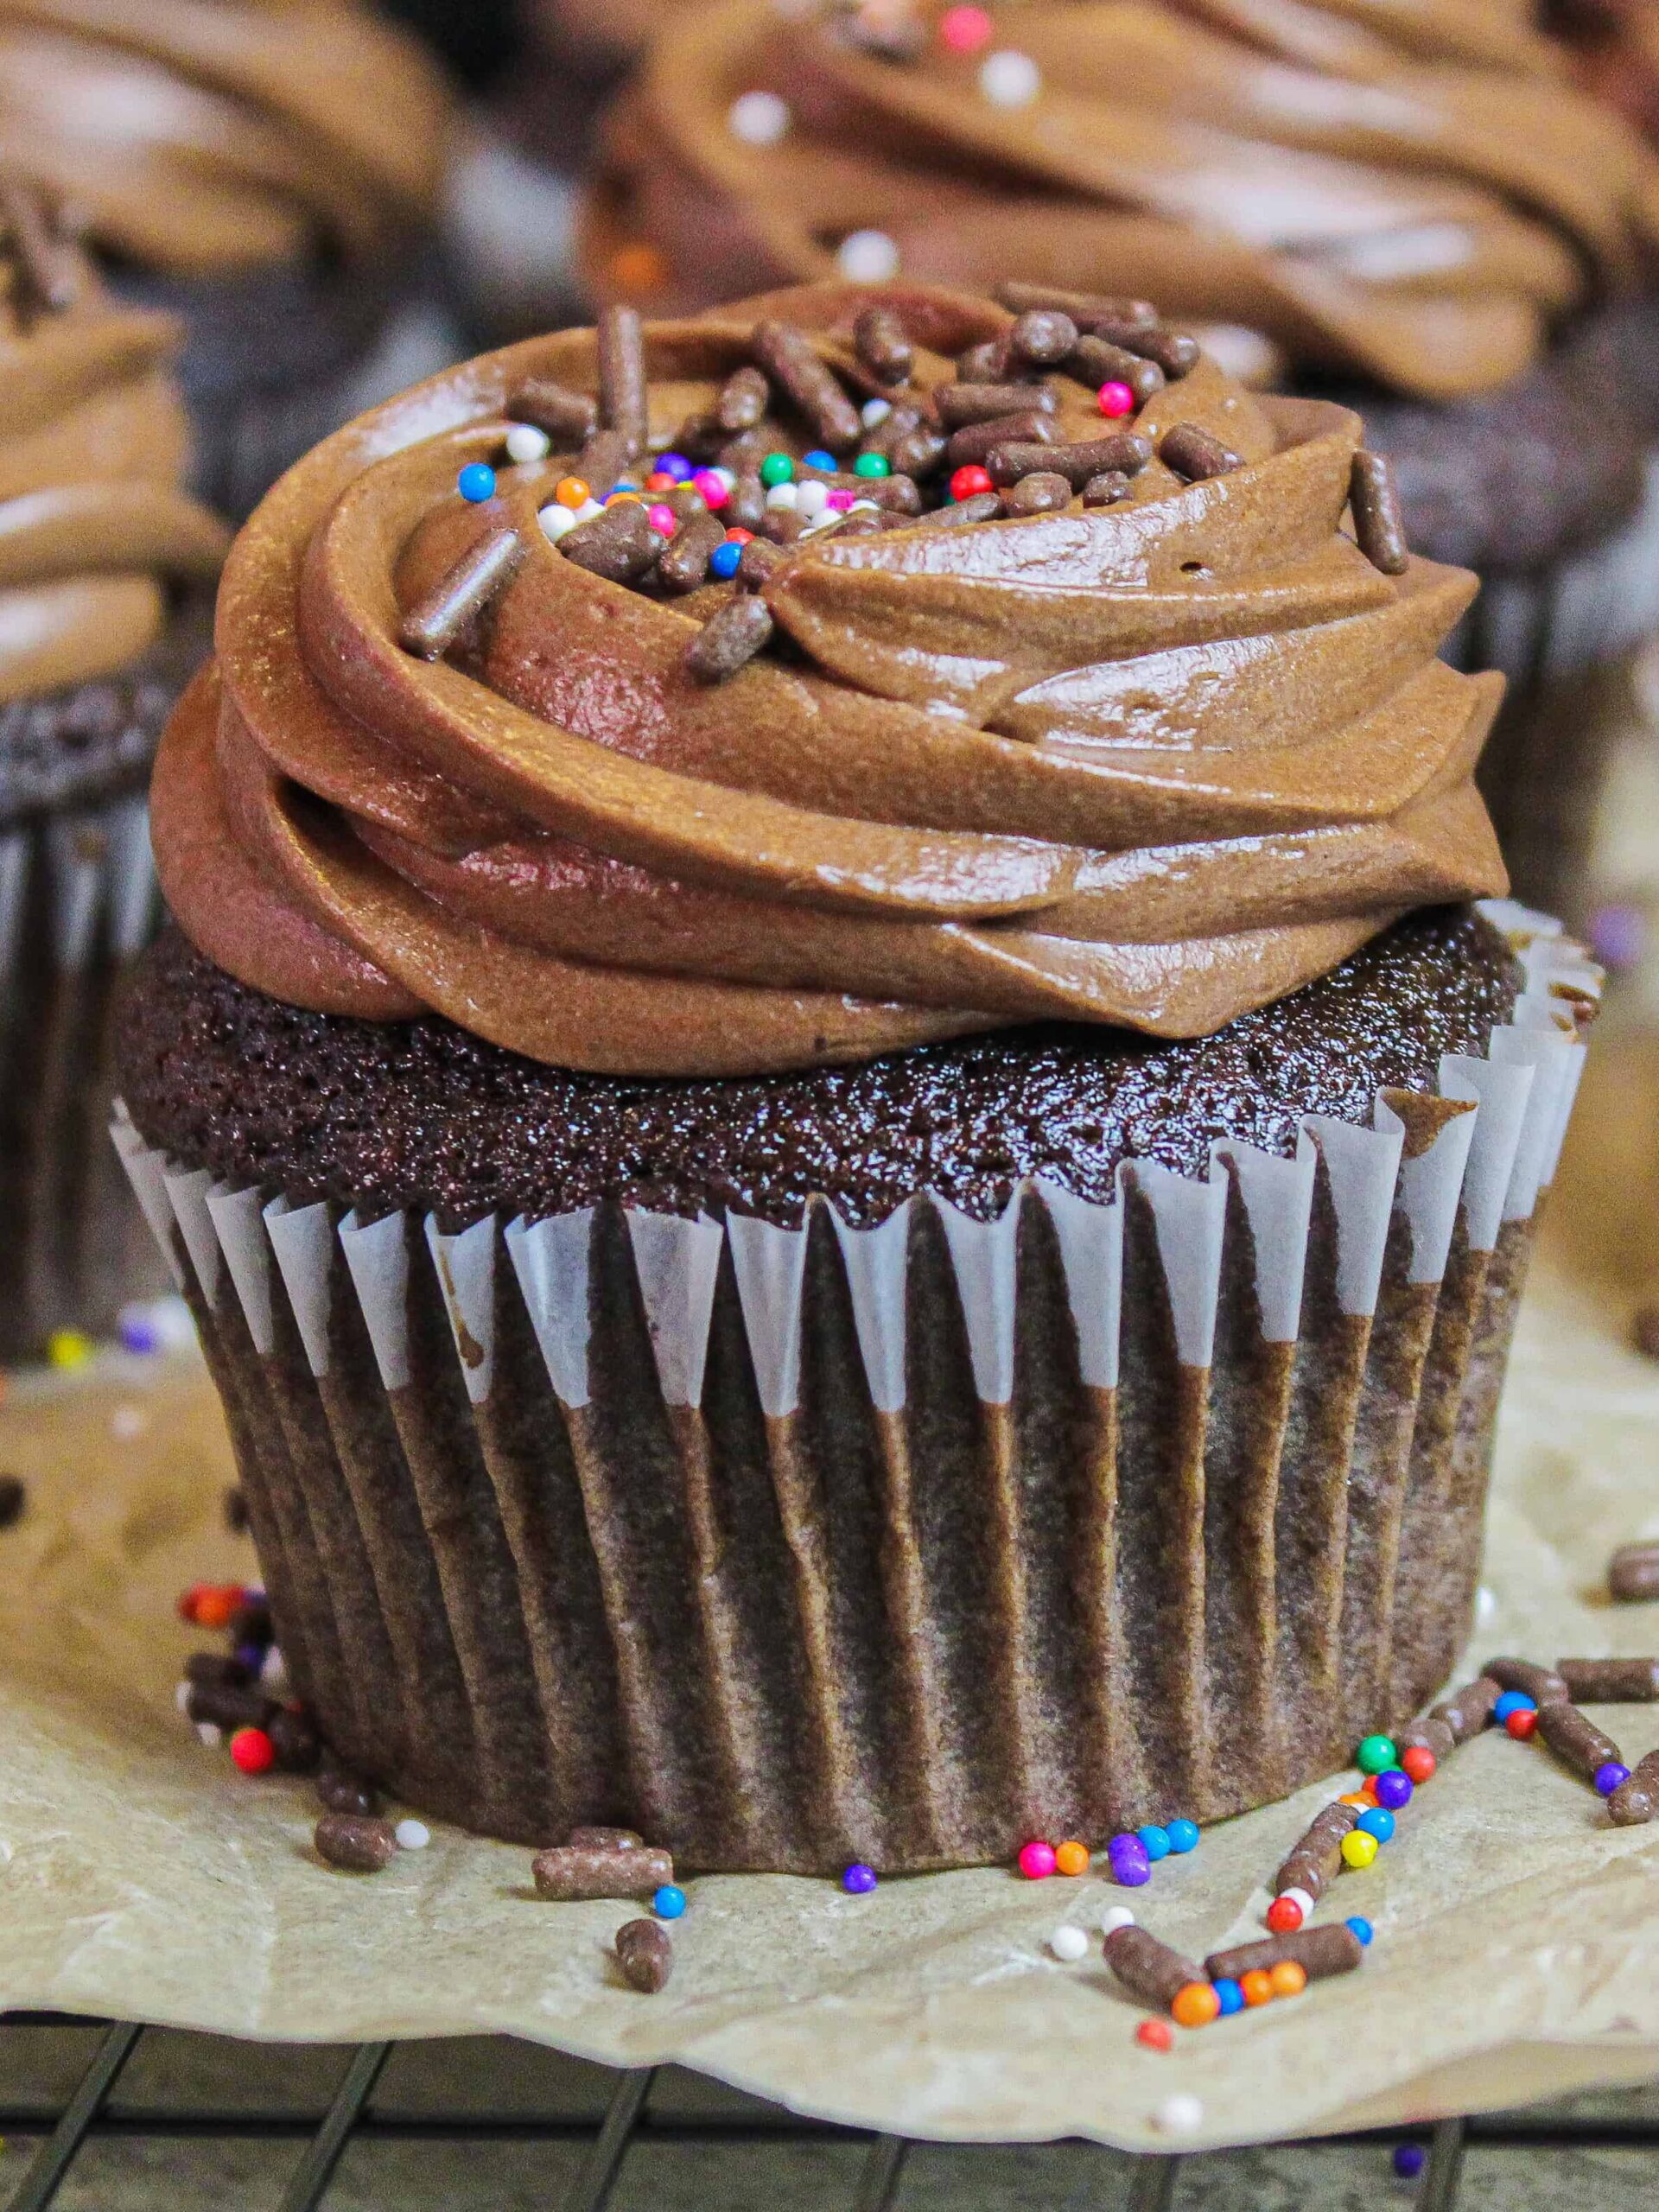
pixel 793 1548
pixel 1567 641
pixel 78 902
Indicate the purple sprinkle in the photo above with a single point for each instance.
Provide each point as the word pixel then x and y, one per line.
pixel 675 465
pixel 138 1336
pixel 1618 935
pixel 1131 1874
pixel 1611 1777
pixel 859 1879
pixel 1393 1788
pixel 253 1656
pixel 1409 2159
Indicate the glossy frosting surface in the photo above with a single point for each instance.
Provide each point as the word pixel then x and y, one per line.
pixel 1150 764
pixel 93 523
pixel 1417 193
pixel 202 138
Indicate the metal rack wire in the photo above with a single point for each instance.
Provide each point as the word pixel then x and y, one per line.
pixel 323 2135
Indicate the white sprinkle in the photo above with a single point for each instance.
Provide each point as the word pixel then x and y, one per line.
pixel 556 521
pixel 128 1421
pixel 811 498
pixel 526 442
pixel 272 1672
pixel 865 507
pixel 1069 1944
pixel 412 1836
pixel 875 412
pixel 1115 1916
pixel 1301 1897
pixel 758 118
pixel 1010 78
pixel 1180 2114
pixel 782 495
pixel 727 477
pixel 181 1698
pixel 588 509
pixel 868 258
pixel 1486 1603
pixel 209 1734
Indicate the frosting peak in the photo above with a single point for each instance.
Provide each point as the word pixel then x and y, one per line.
pixel 1414 193
pixel 1151 762
pixel 93 525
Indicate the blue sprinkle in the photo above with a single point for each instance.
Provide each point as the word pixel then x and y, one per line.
pixel 818 459
pixel 859 1879
pixel 1513 1701
pixel 476 482
pixel 676 466
pixel 1361 1928
pixel 138 1336
pixel 1409 2159
pixel 1183 1835
pixel 1231 1995
pixel 1157 1842
pixel 1378 1821
pixel 722 562
pixel 669 1902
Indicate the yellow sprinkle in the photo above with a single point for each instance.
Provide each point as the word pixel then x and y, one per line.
pixel 1358 1849
pixel 68 1348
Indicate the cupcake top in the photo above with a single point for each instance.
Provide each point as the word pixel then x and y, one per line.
pixel 1416 194
pixel 211 138
pixel 1074 699
pixel 94 528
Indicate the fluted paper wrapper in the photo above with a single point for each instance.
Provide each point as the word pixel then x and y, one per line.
pixel 1566 641
pixel 1516 1952
pixel 791 1548
pixel 78 902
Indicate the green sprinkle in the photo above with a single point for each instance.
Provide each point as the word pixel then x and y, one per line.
pixel 1375 1755
pixel 777 469
pixel 872 464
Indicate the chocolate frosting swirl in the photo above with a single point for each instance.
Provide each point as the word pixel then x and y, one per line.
pixel 1417 193
pixel 1153 765
pixel 202 138
pixel 93 525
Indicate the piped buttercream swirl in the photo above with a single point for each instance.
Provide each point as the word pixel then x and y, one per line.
pixel 1417 193
pixel 1152 764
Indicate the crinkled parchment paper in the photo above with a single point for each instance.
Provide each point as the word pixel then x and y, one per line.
pixel 1517 1946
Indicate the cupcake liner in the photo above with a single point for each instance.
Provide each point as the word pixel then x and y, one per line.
pixel 78 902
pixel 789 1548
pixel 1566 640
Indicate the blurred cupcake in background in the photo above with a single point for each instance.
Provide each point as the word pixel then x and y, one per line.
pixel 106 607
pixel 268 173
pixel 1424 218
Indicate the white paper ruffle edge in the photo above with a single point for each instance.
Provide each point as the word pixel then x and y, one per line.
pixel 1490 1162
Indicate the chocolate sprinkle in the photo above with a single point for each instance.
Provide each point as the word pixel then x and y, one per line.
pixel 790 363
pixel 1194 453
pixel 1379 522
pixel 883 345
pixel 622 400
pixel 963 404
pixel 729 639
pixel 742 400
pixel 464 590
pixel 47 264
pixel 621 545
pixel 1095 361
pixel 570 418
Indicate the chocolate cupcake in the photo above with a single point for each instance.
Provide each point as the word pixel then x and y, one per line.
pixel 106 609
pixel 1424 217
pixel 269 174
pixel 856 1192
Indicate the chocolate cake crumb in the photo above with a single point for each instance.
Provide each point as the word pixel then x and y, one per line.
pixel 422 1114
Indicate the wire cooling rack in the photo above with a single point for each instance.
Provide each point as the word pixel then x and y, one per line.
pixel 587 2146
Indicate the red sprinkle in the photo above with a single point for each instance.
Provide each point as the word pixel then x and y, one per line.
pixel 1418 1762
pixel 1157 2035
pixel 1116 400
pixel 738 536
pixel 253 1750
pixel 190 1598
pixel 657 482
pixel 1521 1725
pixel 1284 1915
pixel 966 31
pixel 969 481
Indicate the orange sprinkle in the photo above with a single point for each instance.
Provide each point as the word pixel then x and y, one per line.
pixel 1257 1987
pixel 216 1605
pixel 1288 1977
pixel 1070 1858
pixel 571 492
pixel 1157 2035
pixel 617 498
pixel 640 267
pixel 1195 2005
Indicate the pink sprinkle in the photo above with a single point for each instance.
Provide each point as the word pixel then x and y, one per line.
pixel 966 31
pixel 841 500
pixel 1116 400
pixel 662 518
pixel 712 488
pixel 1037 1860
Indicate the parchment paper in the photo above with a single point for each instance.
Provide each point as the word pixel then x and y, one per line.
pixel 1517 1947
